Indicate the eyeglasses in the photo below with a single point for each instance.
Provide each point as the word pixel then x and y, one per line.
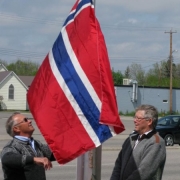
pixel 140 118
pixel 24 120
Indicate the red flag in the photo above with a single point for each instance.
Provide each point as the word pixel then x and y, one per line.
pixel 72 97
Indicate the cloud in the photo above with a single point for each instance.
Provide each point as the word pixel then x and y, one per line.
pixel 145 6
pixel 132 21
pixel 9 19
pixel 133 29
pixel 4 42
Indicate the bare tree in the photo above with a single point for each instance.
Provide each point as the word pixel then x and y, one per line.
pixel 3 62
pixel 137 73
pixel 127 73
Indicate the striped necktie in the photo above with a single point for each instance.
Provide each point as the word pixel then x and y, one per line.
pixel 140 138
pixel 31 143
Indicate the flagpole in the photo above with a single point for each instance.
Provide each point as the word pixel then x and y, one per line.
pixel 97 152
pixel 96 170
pixel 94 2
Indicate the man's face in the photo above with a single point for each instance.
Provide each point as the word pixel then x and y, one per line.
pixel 141 123
pixel 23 126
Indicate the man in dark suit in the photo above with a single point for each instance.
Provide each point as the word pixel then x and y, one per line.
pixel 24 158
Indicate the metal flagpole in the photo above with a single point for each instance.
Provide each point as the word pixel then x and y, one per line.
pixel 90 163
pixel 96 170
pixel 97 152
pixel 84 166
pixel 94 2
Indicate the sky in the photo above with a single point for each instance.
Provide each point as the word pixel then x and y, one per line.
pixel 134 30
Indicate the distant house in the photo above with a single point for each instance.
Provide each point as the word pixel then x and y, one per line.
pixel 13 90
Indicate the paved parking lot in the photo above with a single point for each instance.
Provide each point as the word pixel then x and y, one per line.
pixel 110 150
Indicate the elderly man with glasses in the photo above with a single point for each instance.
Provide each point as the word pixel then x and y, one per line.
pixel 143 153
pixel 24 158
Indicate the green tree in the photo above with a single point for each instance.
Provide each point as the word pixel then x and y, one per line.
pixel 177 76
pixel 23 68
pixel 166 68
pixel 117 77
pixel 153 76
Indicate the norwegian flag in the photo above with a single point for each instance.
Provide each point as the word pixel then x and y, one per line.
pixel 72 96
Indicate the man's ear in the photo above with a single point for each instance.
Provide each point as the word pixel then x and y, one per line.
pixel 16 129
pixel 150 122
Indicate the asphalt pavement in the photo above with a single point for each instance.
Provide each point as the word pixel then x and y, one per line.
pixel 110 150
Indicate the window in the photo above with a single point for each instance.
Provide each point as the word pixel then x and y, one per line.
pixel 164 121
pixel 175 120
pixel 11 92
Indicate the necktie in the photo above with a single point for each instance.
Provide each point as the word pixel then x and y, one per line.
pixel 31 143
pixel 140 138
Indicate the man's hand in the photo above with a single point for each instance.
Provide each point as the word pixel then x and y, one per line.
pixel 43 161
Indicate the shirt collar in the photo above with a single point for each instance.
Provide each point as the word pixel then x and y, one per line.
pixel 134 135
pixel 22 138
pixel 146 133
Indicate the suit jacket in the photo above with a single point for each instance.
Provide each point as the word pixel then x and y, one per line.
pixel 17 160
pixel 144 162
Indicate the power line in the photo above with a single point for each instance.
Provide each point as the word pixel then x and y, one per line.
pixel 113 59
pixel 29 19
pixel 41 55
pixel 57 22
pixel 22 54
pixel 36 55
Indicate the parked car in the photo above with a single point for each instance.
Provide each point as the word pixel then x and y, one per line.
pixel 169 129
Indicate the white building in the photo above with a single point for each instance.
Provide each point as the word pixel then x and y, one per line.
pixel 13 90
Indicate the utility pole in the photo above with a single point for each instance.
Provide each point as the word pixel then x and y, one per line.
pixel 170 86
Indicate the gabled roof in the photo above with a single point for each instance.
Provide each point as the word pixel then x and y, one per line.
pixel 5 74
pixel 27 80
pixel 1 65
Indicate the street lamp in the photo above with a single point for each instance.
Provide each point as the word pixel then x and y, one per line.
pixel 170 86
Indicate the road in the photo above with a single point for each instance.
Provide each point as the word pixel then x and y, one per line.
pixel 110 150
